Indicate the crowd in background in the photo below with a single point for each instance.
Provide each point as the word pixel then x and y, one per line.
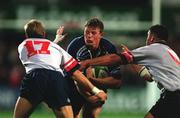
pixel 11 70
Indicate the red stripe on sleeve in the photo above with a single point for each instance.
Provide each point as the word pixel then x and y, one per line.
pixel 71 66
pixel 174 57
pixel 68 62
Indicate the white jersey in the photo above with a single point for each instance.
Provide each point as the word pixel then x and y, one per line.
pixel 162 62
pixel 42 53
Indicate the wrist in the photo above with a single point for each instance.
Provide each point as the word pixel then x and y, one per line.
pixel 58 38
pixel 95 90
pixel 145 74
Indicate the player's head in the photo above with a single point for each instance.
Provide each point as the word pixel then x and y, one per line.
pixel 157 33
pixel 34 29
pixel 93 32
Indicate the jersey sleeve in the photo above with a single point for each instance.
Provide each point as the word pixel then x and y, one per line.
pixel 142 53
pixel 109 46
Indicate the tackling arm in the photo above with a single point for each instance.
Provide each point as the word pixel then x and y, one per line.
pixel 105 82
pixel 142 72
pixel 106 60
pixel 145 74
pixel 124 57
pixel 87 85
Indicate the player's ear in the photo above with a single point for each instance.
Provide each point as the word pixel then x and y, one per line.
pixel 152 38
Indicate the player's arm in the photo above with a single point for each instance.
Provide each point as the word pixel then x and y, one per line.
pixel 59 35
pixel 143 72
pixel 88 86
pixel 87 95
pixel 105 82
pixel 106 60
pixel 122 58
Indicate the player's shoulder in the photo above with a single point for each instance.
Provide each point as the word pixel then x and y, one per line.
pixel 107 44
pixel 79 39
pixel 105 41
pixel 76 42
pixel 21 45
pixel 151 48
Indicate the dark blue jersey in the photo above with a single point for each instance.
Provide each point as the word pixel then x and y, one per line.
pixel 80 51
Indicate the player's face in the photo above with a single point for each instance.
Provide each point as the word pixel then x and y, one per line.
pixel 92 36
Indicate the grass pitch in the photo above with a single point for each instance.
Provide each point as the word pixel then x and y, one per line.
pixel 49 114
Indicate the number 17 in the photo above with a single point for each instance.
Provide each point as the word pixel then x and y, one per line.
pixel 31 50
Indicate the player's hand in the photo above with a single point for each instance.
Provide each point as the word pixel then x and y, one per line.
pixel 89 72
pixel 60 30
pixel 102 96
pixel 95 101
pixel 83 64
pixel 126 52
pixel 124 48
pixel 93 98
pixel 59 35
pixel 88 96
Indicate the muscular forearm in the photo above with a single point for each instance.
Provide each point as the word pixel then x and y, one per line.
pixel 87 86
pixel 82 81
pixel 125 57
pixel 106 60
pixel 108 82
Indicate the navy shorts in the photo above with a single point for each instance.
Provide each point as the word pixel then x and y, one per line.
pixel 45 85
pixel 168 106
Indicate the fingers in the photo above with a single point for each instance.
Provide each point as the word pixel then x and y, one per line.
pixel 93 99
pixel 102 96
pixel 59 35
pixel 89 72
pixel 83 65
pixel 124 48
pixel 60 30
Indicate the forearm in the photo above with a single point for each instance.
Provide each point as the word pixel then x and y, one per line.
pixel 84 82
pixel 145 74
pixel 59 38
pixel 82 91
pixel 106 60
pixel 108 82
pixel 141 71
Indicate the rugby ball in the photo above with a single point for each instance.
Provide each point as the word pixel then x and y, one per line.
pixel 100 71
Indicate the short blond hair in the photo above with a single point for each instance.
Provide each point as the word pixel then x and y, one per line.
pixel 34 29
